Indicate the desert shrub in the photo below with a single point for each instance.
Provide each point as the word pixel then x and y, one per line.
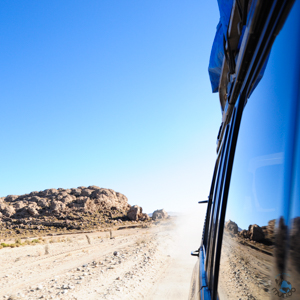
pixel 18 241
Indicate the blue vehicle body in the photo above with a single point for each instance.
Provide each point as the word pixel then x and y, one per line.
pixel 217 51
pixel 250 245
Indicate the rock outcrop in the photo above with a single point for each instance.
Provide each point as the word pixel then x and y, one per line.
pixel 231 226
pixel 159 214
pixel 256 233
pixel 135 213
pixel 269 231
pixel 61 201
pixel 79 208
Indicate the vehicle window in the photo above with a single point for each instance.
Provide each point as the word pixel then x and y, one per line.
pixel 293 256
pixel 256 188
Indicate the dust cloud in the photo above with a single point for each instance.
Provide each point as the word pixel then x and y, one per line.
pixel 183 237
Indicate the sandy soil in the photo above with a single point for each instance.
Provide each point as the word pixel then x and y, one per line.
pixel 143 263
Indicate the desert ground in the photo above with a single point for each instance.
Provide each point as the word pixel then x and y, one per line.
pixel 136 263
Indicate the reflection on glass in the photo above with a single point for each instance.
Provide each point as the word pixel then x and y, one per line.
pixel 246 262
pixel 253 254
pixel 293 249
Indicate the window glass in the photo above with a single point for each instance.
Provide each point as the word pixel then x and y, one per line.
pixel 292 280
pixel 256 188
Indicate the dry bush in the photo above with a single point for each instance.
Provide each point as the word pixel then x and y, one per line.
pixel 18 241
pixel 47 251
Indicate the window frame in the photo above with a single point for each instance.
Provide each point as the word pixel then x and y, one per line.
pixel 214 222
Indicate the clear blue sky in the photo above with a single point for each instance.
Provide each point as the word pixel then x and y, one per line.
pixel 109 93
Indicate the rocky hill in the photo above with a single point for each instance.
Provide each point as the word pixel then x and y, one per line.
pixel 59 210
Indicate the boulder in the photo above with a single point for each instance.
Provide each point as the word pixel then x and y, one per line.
pixel 68 199
pixel 32 211
pixel 134 212
pixel 81 187
pixel 76 192
pixel 20 204
pixel 57 206
pixel 89 205
pixel 8 211
pixel 244 234
pixel 50 192
pixel 43 203
pixel 34 193
pixel 93 187
pixel 269 231
pixel 256 233
pixel 231 226
pixel 35 199
pixel 144 217
pixel 42 194
pixel 159 214
pixel 86 192
pixel 11 198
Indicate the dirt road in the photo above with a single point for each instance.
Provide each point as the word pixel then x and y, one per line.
pixel 138 263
